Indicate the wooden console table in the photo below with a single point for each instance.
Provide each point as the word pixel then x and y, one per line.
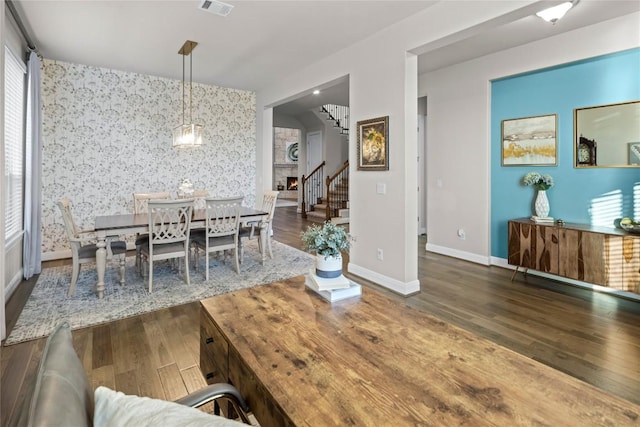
pixel 373 361
pixel 598 255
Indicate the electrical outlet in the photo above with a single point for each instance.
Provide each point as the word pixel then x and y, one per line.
pixel 380 254
pixel 461 234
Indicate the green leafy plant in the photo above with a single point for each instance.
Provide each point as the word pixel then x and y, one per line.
pixel 329 240
pixel 541 182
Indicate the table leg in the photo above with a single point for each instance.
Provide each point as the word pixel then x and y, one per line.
pixel 264 229
pixel 101 261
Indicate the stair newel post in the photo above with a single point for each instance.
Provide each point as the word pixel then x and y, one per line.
pixel 303 206
pixel 328 194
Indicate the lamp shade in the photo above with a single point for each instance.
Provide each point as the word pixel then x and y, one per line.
pixel 187 135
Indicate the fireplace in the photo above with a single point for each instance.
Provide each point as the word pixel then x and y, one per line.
pixel 292 183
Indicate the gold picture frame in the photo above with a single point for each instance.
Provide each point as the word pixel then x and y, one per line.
pixel 373 144
pixel 530 141
pixel 603 134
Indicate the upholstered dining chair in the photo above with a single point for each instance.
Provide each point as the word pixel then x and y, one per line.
pixel 140 206
pixel 82 250
pixel 248 230
pixel 169 229
pixel 221 231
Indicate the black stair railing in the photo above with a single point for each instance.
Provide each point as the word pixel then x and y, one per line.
pixel 312 189
pixel 337 191
pixel 339 114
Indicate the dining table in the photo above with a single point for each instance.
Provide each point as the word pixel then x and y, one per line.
pixel 108 226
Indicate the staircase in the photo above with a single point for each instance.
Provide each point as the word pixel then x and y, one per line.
pixel 339 115
pixel 328 202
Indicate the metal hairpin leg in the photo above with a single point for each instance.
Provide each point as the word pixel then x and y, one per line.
pixel 524 273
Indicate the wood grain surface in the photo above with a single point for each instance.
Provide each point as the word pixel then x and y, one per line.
pixel 592 336
pixel 373 360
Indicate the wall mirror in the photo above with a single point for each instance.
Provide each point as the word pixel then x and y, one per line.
pixel 607 136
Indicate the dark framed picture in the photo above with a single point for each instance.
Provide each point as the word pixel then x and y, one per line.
pixel 373 144
pixel 530 141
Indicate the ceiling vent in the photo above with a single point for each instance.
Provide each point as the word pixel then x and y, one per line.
pixel 216 7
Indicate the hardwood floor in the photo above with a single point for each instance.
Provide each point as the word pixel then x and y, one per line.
pixel 592 336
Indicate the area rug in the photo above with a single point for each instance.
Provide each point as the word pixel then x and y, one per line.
pixel 48 304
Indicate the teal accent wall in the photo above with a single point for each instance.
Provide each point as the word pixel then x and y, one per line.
pixel 578 194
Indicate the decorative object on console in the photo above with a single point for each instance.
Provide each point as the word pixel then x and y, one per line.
pixel 542 183
pixel 587 152
pixel 530 141
pixel 630 225
pixel 187 134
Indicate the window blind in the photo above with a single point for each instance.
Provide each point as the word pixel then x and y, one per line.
pixel 14 111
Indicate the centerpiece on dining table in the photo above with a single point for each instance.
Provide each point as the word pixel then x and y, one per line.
pixel 185 189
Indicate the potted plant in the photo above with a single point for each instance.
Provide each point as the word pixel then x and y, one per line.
pixel 327 242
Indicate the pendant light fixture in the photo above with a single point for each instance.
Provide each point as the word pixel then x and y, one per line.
pixel 187 134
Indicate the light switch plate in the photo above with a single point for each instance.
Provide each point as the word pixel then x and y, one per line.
pixel 381 188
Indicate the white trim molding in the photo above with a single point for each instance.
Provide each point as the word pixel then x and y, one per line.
pixel 12 285
pixel 403 288
pixel 467 256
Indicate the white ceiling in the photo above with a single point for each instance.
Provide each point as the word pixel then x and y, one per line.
pixel 262 40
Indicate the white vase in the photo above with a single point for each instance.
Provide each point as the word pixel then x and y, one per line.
pixel 542 204
pixel 330 267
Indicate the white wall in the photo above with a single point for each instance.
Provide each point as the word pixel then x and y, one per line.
pixel 459 99
pixel 383 82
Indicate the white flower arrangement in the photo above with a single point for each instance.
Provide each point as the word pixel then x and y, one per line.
pixel 541 182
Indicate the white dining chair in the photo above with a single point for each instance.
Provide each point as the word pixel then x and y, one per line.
pixel 169 230
pixel 140 206
pixel 83 251
pixel 249 230
pixel 221 231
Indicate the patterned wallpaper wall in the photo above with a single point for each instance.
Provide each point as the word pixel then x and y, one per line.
pixel 108 134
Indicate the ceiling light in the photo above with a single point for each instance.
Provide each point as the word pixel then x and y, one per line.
pixel 553 14
pixel 187 134
pixel 316 92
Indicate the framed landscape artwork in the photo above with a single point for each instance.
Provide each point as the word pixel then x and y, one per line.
pixel 530 141
pixel 373 144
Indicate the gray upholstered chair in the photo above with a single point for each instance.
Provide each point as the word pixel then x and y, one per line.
pixel 169 229
pixel 62 396
pixel 250 229
pixel 221 231
pixel 82 248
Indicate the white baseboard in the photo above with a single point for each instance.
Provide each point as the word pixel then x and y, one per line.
pixel 12 285
pixel 403 288
pixel 467 256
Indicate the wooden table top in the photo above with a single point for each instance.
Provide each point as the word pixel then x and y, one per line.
pixel 122 221
pixel 373 361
